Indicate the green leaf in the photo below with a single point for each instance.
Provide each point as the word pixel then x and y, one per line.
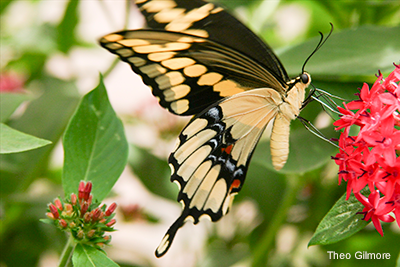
pixel 9 102
pixel 398 261
pixel 13 141
pixel 341 222
pixel 87 256
pixel 153 172
pixel 95 146
pixel 30 62
pixel 360 52
pixel 45 117
pixel 4 4
pixel 66 28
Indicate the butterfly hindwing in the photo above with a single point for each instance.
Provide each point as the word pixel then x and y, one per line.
pixel 213 152
pixel 187 73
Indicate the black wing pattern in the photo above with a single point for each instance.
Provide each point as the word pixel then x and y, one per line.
pixel 187 73
pixel 199 60
pixel 214 23
pixel 213 152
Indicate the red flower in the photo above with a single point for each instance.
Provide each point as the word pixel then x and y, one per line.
pixel 372 203
pixel 370 158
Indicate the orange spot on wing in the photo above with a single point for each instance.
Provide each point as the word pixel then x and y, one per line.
pixel 235 184
pixel 227 149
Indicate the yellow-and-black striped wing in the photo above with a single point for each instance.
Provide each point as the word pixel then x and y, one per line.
pixel 207 20
pixel 199 60
pixel 187 73
pixel 212 154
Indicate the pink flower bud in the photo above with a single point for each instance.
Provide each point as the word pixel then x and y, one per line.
pixel 80 234
pixel 87 190
pixel 81 190
pixel 54 211
pixel 68 208
pixel 84 208
pixel 58 204
pixel 50 215
pixel 111 209
pixel 73 199
pixel 89 200
pixel 87 217
pixel 111 223
pixel 96 214
pixel 91 233
pixel 63 223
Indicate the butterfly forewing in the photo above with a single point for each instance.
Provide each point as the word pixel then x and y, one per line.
pixel 187 73
pixel 214 23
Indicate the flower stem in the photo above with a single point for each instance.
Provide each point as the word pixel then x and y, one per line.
pixel 266 241
pixel 66 256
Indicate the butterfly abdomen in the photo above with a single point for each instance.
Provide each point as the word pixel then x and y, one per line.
pixel 280 141
pixel 289 109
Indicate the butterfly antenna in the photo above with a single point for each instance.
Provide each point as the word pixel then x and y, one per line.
pixel 319 45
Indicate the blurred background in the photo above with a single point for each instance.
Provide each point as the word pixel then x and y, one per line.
pixel 50 58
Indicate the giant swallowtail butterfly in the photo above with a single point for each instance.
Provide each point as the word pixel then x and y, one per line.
pixel 199 60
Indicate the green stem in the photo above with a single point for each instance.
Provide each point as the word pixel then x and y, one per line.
pixel 66 256
pixel 113 64
pixel 127 12
pixel 266 241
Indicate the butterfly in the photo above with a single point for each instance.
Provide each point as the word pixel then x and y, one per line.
pixel 199 60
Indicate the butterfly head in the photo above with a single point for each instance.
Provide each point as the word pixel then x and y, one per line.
pixel 301 81
pixel 305 78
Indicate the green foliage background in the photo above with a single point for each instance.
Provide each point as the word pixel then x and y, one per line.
pixel 365 40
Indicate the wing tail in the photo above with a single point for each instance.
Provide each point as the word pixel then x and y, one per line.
pixel 166 242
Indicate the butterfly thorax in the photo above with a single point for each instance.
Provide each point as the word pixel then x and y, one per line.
pixel 294 98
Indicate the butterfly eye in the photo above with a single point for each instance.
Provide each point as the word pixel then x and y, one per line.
pixel 304 78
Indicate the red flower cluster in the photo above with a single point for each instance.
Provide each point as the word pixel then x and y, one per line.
pixel 86 221
pixel 369 158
